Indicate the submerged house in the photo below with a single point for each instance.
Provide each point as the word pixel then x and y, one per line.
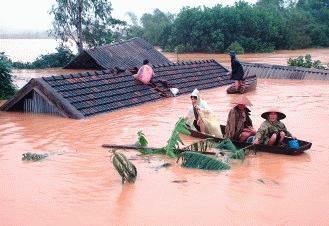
pixel 89 93
pixel 285 72
pixel 121 55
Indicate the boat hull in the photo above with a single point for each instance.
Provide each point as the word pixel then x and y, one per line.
pixel 304 145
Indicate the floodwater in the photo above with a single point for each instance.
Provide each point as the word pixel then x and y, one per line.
pixel 279 57
pixel 78 185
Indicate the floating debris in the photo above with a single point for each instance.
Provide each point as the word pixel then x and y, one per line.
pixel 33 156
pixel 179 181
pixel 261 181
pixel 164 165
pixel 125 168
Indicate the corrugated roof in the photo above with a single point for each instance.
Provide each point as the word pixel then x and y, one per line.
pixel 123 55
pixel 285 72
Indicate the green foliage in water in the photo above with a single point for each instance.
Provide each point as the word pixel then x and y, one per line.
pixel 305 61
pixel 236 47
pixel 197 160
pixel 234 152
pixel 201 146
pixel 141 140
pixel 125 168
pixel 174 140
pixel 172 144
pixel 58 59
pixel 142 143
pixel 33 156
pixel 7 89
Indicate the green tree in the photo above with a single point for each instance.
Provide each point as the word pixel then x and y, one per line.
pixel 58 59
pixel 236 47
pixel 134 30
pixel 305 61
pixel 155 24
pixel 319 29
pixel 7 89
pixel 84 21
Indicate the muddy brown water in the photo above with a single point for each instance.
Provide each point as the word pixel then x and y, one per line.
pixel 279 57
pixel 77 184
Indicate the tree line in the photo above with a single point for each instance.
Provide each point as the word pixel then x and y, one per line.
pixel 262 27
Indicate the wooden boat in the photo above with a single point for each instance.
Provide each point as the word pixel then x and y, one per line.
pixel 249 84
pixel 304 145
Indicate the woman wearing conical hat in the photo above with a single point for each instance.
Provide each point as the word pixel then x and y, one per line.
pixel 272 131
pixel 239 125
pixel 200 117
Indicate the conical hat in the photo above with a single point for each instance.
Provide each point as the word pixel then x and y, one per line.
pixel 242 99
pixel 273 109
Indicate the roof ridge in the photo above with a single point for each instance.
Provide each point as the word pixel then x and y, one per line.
pixel 116 43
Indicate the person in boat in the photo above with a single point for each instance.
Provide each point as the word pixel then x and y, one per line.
pixel 237 72
pixel 145 73
pixel 272 131
pixel 200 117
pixel 239 125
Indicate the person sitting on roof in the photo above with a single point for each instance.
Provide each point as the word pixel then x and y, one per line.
pixel 239 125
pixel 145 73
pixel 200 117
pixel 237 71
pixel 272 131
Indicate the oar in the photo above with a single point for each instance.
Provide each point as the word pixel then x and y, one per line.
pixel 134 147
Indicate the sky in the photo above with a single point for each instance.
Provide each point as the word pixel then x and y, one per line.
pixel 32 15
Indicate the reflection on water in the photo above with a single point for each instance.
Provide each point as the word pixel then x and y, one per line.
pixel 77 184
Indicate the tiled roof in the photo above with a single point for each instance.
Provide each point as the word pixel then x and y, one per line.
pixel 90 93
pixel 101 91
pixel 186 76
pixel 121 55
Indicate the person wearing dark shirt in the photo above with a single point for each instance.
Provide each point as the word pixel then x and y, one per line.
pixel 237 71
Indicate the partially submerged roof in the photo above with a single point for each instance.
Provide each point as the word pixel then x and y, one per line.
pixel 89 93
pixel 285 72
pixel 122 55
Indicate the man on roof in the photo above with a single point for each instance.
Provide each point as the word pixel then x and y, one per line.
pixel 239 125
pixel 145 73
pixel 200 117
pixel 237 72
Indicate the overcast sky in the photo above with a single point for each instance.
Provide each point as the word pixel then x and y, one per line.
pixel 27 15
